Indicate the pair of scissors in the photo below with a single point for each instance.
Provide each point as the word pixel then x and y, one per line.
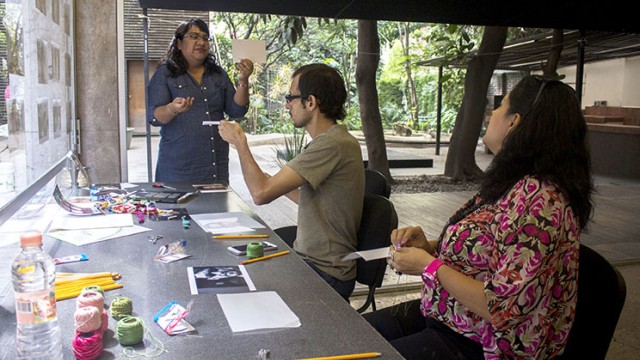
pixel 162 185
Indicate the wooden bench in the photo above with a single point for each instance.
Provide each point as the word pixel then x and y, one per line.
pixel 603 119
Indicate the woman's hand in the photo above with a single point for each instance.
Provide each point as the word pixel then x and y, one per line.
pixel 409 260
pixel 245 69
pixel 410 237
pixel 180 104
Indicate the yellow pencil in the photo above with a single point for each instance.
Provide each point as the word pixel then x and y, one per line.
pixel 257 236
pixel 348 356
pixel 264 257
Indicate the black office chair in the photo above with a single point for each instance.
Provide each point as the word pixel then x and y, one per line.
pixel 601 295
pixel 379 218
pixel 376 183
pixel 287 234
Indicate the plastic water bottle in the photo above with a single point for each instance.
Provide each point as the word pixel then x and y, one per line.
pixel 34 275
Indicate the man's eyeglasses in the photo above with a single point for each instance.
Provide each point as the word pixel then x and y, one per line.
pixel 289 98
pixel 196 37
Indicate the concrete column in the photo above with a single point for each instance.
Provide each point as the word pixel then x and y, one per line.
pixel 97 88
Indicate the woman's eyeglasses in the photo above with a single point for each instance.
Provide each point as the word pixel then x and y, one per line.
pixel 544 81
pixel 289 98
pixel 196 37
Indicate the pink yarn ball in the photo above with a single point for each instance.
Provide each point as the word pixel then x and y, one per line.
pixel 88 319
pixel 90 298
pixel 87 346
pixel 105 320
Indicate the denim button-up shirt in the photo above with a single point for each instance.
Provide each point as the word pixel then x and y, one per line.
pixel 190 151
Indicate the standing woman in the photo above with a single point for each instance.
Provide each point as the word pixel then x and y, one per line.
pixel 188 90
pixel 501 282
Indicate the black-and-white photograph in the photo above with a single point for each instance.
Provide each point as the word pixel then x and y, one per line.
pixel 226 279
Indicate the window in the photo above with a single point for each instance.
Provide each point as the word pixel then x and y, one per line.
pixel 36 117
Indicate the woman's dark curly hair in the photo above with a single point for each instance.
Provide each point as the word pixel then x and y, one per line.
pixel 550 142
pixel 173 58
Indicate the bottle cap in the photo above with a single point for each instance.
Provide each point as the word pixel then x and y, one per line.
pixel 31 238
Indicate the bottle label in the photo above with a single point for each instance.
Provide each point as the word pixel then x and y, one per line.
pixel 35 307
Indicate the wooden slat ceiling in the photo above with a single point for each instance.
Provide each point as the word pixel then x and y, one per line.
pixel 613 15
pixel 529 54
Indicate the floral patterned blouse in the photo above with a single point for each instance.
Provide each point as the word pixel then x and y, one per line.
pixel 524 248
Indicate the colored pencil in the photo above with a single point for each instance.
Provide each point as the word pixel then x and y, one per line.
pixel 348 356
pixel 257 236
pixel 264 257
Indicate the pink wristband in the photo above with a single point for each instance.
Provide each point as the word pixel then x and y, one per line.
pixel 431 270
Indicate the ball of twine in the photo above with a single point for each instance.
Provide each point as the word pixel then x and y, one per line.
pixel 105 320
pixel 121 307
pixel 255 250
pixel 90 298
pixel 87 346
pixel 130 330
pixel 95 288
pixel 88 319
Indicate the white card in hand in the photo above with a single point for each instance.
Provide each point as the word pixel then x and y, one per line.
pixel 253 50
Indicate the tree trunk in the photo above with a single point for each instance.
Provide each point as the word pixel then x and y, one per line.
pixel 413 97
pixel 461 160
pixel 367 65
pixel 551 67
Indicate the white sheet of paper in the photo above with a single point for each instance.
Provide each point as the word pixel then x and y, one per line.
pixel 226 223
pixel 89 236
pixel 66 221
pixel 368 255
pixel 257 310
pixel 253 50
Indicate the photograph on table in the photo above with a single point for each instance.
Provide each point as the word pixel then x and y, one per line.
pixel 225 279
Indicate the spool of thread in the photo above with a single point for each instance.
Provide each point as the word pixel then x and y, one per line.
pixel 105 320
pixel 90 298
pixel 95 288
pixel 121 307
pixel 255 250
pixel 88 319
pixel 130 330
pixel 87 346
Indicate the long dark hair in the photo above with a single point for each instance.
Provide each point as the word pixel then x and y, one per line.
pixel 550 142
pixel 173 58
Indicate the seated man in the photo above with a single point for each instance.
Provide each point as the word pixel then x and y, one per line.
pixel 326 179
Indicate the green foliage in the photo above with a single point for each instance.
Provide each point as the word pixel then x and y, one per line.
pixel 293 144
pixel 292 42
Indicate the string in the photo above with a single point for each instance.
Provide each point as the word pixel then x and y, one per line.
pixel 95 288
pixel 130 331
pixel 87 346
pixel 120 307
pixel 88 319
pixel 255 250
pixel 90 298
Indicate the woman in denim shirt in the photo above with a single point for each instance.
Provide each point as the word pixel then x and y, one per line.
pixel 188 90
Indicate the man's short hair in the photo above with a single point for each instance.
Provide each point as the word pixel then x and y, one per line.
pixel 327 85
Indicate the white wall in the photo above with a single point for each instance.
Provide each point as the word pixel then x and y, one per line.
pixel 616 81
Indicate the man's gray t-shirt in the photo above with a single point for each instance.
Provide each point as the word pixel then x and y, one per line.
pixel 330 205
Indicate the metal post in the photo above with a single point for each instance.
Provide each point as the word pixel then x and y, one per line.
pixel 145 22
pixel 439 111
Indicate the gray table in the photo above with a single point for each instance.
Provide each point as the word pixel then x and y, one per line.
pixel 330 326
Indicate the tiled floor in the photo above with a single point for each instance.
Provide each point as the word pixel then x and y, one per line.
pixel 625 345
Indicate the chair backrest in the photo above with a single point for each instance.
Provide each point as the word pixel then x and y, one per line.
pixel 287 234
pixel 379 218
pixel 601 295
pixel 376 183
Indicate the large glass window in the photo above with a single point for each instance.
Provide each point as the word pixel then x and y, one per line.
pixel 36 77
